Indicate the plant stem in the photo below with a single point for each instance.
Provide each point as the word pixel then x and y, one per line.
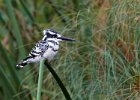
pixel 58 80
pixel 40 79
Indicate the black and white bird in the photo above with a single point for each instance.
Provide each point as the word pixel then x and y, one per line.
pixel 46 48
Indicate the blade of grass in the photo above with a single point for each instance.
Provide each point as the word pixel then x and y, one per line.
pixel 9 86
pixel 59 13
pixel 15 27
pixel 29 14
pixel 9 64
pixel 40 79
pixel 16 33
pixel 26 10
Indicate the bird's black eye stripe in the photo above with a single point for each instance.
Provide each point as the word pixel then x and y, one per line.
pixel 55 36
pixel 51 36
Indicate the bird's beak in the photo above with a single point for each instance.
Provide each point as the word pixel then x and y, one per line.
pixel 66 38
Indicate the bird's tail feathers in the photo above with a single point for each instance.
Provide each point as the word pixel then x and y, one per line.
pixel 21 64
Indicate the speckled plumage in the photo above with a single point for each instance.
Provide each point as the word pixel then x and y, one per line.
pixel 46 48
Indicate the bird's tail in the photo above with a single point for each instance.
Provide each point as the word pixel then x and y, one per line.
pixel 23 62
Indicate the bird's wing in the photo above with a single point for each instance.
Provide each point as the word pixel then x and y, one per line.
pixel 39 48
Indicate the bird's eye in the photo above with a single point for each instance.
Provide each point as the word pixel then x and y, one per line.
pixel 54 36
pixel 46 33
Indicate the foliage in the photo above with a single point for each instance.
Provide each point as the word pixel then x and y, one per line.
pixel 103 64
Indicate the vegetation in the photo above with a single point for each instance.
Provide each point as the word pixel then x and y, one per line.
pixel 103 64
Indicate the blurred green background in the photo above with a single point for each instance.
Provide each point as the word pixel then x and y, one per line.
pixel 102 65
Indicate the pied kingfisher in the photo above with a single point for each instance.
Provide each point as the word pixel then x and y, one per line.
pixel 46 48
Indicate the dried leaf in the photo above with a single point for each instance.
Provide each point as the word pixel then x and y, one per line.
pixel 126 49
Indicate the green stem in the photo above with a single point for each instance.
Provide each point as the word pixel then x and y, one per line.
pixel 40 79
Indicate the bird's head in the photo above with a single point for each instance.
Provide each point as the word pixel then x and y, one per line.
pixel 50 34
